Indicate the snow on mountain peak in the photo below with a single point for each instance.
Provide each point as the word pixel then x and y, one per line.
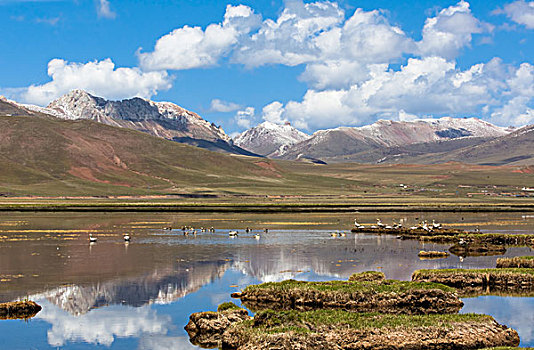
pixel 163 119
pixel 268 138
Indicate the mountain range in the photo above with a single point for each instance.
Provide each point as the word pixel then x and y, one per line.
pixel 384 141
pixel 419 141
pixel 162 119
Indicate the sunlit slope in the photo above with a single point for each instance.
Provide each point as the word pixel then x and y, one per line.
pixel 48 156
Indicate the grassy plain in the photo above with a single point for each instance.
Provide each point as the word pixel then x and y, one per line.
pixel 52 164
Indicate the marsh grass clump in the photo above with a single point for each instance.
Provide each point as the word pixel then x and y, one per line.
pixel 339 329
pixel 312 320
pixel 516 262
pixel 388 296
pixel 481 281
pixel 386 286
pixel 367 276
pixel 432 254
pixel 227 306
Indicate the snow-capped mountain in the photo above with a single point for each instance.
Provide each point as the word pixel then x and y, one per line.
pixel 163 119
pixel 270 139
pixel 343 141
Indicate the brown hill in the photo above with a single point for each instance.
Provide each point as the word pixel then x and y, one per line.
pixel 46 155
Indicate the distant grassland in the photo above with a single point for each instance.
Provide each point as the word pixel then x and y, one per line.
pixel 46 162
pixel 246 205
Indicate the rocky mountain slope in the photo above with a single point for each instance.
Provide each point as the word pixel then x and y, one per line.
pixel 270 139
pixel 345 143
pixel 517 148
pixel 161 119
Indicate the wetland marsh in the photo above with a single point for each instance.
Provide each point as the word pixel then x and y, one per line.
pixel 138 295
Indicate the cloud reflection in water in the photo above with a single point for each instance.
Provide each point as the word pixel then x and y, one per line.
pixel 101 326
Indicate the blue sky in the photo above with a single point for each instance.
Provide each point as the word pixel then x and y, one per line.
pixel 317 64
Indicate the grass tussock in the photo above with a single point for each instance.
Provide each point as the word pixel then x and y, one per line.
pixel 227 306
pixel 516 262
pixel 387 286
pixel 367 276
pixel 306 321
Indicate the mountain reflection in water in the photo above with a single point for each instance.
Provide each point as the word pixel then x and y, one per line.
pixel 140 295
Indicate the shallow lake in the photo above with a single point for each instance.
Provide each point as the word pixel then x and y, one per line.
pixel 139 295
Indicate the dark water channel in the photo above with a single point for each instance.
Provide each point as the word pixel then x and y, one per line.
pixel 139 295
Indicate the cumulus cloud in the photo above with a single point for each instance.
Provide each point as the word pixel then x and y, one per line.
pixel 103 9
pixel 294 38
pixel 448 32
pixel 223 106
pixel 273 113
pixel 519 109
pixel 425 86
pixel 521 12
pixel 97 77
pixel 358 66
pixel 192 47
pixel 244 118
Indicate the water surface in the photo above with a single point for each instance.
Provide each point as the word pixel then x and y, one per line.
pixel 139 295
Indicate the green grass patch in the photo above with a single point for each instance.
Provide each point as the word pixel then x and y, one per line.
pixel 269 321
pixel 387 286
pixel 367 276
pixel 227 306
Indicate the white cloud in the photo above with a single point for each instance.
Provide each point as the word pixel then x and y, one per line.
pixel 103 9
pixel 273 112
pixel 450 31
pixel 191 47
pixel 245 117
pixel 406 117
pixel 519 109
pixel 426 86
pixel 223 106
pixel 521 12
pixel 101 78
pixel 294 38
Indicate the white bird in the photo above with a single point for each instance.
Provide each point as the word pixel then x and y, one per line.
pixel 379 223
pixel 435 224
pixel 127 237
pixel 257 236
pixel 357 224
pixel 342 234
pixel 92 239
pixel 232 233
